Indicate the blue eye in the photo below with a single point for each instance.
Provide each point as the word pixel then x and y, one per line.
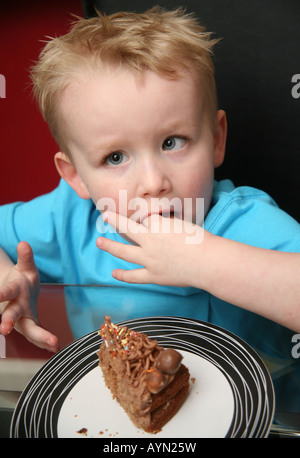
pixel 173 143
pixel 115 158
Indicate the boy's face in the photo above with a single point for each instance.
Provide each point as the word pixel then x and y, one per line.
pixel 152 138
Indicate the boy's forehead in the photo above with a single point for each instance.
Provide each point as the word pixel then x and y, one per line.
pixel 90 130
pixel 111 80
pixel 91 96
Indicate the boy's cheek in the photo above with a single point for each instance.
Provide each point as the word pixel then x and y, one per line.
pixel 113 202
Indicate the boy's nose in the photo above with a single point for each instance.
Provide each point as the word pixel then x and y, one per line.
pixel 153 181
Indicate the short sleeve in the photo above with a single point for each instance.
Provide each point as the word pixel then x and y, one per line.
pixel 34 222
pixel 251 216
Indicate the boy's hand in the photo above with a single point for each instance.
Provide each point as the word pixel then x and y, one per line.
pixel 166 247
pixel 18 301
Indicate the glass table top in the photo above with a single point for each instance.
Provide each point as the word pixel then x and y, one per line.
pixel 72 311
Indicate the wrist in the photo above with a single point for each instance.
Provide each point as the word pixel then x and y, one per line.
pixel 200 259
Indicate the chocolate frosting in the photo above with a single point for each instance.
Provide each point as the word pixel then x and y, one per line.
pixel 148 365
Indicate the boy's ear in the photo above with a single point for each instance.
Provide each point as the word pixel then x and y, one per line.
pixel 69 173
pixel 220 138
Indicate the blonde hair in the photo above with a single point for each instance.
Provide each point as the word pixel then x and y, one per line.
pixel 158 40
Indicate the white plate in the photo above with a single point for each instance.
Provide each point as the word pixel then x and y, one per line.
pixel 231 393
pixel 89 406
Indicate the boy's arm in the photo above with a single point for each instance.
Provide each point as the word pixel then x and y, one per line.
pixel 19 289
pixel 262 281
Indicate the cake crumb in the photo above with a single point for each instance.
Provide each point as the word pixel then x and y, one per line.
pixel 82 431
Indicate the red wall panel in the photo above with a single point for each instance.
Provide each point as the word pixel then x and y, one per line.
pixel 26 147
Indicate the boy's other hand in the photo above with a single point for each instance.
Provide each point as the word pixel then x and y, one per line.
pixel 18 301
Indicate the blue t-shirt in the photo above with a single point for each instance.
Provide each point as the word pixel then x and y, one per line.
pixel 62 230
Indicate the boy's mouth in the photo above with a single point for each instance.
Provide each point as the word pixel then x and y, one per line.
pixel 163 213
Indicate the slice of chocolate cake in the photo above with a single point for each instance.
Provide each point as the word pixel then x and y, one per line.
pixel 148 381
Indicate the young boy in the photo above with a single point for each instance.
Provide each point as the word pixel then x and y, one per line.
pixel 131 101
